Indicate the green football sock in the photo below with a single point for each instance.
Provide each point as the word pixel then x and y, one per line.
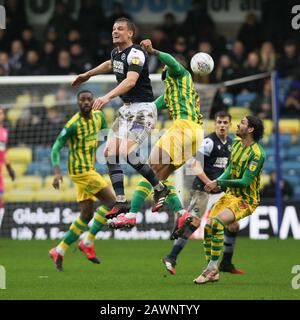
pixel 217 239
pixel 76 230
pixel 141 193
pixel 207 242
pixel 98 223
pixel 173 200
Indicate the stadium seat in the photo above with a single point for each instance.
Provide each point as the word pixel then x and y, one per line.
pixel 19 168
pixel 134 180
pixel 209 126
pixel 292 179
pixel 269 166
pixel 239 112
pixel 293 153
pixel 227 98
pixel 283 85
pixel 42 169
pixel 291 166
pixel 64 186
pixel 23 101
pixel 270 153
pixel 13 116
pixel 297 192
pixel 19 155
pixel 19 196
pixel 8 184
pixel 233 127
pixel 268 125
pixel 29 183
pixel 69 195
pixel 64 153
pixel 264 179
pixel 291 126
pixel 244 99
pixel 42 153
pixel 285 140
pixel 51 195
pixel 49 100
pixel 109 113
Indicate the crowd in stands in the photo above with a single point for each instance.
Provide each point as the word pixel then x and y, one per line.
pixel 69 47
pixel 73 46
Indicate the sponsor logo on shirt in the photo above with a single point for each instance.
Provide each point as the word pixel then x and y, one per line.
pixel 118 67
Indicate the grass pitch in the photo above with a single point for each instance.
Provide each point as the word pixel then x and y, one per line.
pixel 133 270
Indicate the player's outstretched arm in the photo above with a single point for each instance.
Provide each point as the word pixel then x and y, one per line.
pixel 126 85
pixel 251 172
pixel 175 68
pixel 104 67
pixel 55 156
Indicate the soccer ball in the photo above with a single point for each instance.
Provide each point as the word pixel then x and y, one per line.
pixel 202 64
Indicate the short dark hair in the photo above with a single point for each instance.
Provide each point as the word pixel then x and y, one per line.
pixel 223 114
pixel 84 91
pixel 258 126
pixel 131 26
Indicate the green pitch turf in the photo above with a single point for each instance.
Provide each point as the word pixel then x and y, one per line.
pixel 133 270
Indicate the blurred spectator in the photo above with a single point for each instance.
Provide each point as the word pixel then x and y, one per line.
pixel 287 62
pixel 252 68
pixel 28 40
pixel 292 103
pixel 81 61
pixel 49 55
pixel 53 124
pixel 267 57
pixel 61 20
pixel 117 12
pixel 160 42
pixel 24 133
pixel 261 106
pixel 250 33
pixel 219 103
pixel 269 191
pixel 15 18
pixel 92 21
pixel 104 47
pixel 180 46
pixel 64 102
pixel 225 69
pixel 4 41
pixel 4 62
pixel 52 36
pixel 16 58
pixel 32 65
pixel 170 27
pixel 64 64
pixel 74 36
pixel 198 24
pixel 2 71
pixel 237 54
